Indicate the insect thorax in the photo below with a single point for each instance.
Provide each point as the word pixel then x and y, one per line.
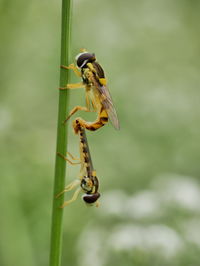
pixel 87 184
pixel 86 76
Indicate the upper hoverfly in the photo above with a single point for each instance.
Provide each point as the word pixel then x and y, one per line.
pixel 97 93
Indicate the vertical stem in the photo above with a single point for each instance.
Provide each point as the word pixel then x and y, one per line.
pixel 60 164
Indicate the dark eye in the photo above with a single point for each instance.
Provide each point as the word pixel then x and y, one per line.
pixel 91 198
pixel 84 58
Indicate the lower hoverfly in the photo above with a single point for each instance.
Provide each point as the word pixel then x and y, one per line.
pixel 88 182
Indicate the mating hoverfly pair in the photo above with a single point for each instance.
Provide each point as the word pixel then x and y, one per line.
pixel 97 98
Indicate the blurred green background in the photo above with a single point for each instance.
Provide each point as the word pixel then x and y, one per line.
pixel 149 211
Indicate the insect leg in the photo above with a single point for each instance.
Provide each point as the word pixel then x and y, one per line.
pixel 74 110
pixel 87 101
pixel 66 159
pixel 74 68
pixel 73 86
pixel 69 187
pixel 74 197
pixel 73 158
pixel 97 204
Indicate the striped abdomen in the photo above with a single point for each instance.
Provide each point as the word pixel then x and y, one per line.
pixel 101 120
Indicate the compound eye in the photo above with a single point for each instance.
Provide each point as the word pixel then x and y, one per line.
pixel 91 198
pixel 84 58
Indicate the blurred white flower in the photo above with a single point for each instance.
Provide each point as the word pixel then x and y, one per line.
pixel 113 202
pixel 180 190
pixel 91 247
pixel 143 204
pixel 153 237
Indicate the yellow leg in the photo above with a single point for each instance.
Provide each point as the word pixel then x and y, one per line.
pixel 97 204
pixel 74 68
pixel 73 158
pixel 66 159
pixel 69 187
pixel 87 100
pixel 73 86
pixel 74 197
pixel 74 110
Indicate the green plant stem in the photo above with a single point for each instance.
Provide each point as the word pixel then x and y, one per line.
pixel 60 164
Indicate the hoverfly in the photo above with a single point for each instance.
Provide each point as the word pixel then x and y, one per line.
pixel 97 93
pixel 88 180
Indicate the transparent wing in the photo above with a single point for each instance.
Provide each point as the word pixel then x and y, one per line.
pixel 107 103
pixel 104 94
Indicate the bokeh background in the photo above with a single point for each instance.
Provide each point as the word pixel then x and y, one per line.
pixel 149 211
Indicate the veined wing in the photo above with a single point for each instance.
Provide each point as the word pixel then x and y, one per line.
pixel 104 94
pixel 107 103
